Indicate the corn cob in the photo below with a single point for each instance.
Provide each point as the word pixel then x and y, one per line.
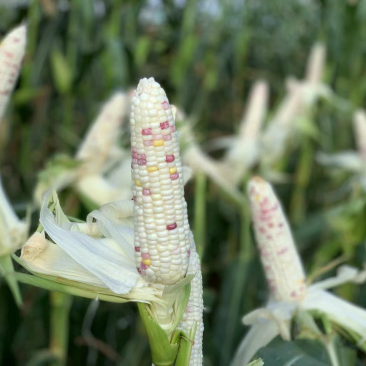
pixel 160 212
pixel 359 121
pixel 194 310
pixel 103 134
pixel 12 51
pixel 281 262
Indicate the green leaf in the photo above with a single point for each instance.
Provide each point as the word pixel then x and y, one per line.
pixel 162 351
pixel 89 292
pixel 299 353
pixel 7 270
pixel 179 295
pixel 257 362
pixel 185 347
pixel 62 73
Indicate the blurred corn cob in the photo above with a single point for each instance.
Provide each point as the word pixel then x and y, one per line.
pixel 287 283
pixel 12 50
pixel 281 262
pixel 315 66
pixel 101 140
pixel 359 121
pixel 13 231
pixel 245 147
pixel 97 156
pixel 351 160
pixel 300 98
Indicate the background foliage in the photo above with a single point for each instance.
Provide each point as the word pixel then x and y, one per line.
pixel 206 54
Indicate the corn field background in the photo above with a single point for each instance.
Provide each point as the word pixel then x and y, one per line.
pixel 207 55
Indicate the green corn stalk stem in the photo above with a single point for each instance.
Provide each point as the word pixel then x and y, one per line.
pixel 60 311
pixel 7 270
pixel 200 212
pixel 302 177
pixel 246 255
pixel 246 248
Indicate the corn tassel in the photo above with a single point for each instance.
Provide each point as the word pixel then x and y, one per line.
pixel 12 51
pixel 281 262
pixel 160 214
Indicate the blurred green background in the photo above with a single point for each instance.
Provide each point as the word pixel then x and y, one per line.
pixel 206 54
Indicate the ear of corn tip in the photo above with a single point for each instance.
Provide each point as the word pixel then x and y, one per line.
pixel 12 50
pixel 160 213
pixel 281 262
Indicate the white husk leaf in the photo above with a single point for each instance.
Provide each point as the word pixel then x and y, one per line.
pixel 347 160
pixel 258 336
pixel 339 311
pixel 13 231
pixel 108 262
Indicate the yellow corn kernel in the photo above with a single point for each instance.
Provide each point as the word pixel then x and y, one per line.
pixel 158 143
pixel 172 170
pixel 138 183
pixel 152 169
pixel 147 261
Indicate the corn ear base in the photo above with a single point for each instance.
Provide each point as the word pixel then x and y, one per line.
pixel 163 351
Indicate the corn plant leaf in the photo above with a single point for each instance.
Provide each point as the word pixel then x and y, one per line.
pixel 179 293
pixel 185 347
pixel 257 362
pixel 299 353
pixel 279 353
pixel 67 289
pixel 7 270
pixel 62 73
